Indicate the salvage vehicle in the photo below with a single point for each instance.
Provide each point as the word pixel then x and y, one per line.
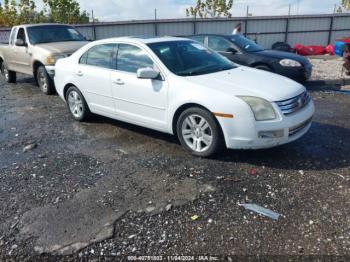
pixel 243 51
pixel 34 49
pixel 180 87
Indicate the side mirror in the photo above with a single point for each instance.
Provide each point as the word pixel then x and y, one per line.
pixel 231 50
pixel 147 73
pixel 20 42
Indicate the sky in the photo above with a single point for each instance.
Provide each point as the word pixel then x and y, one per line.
pixel 117 10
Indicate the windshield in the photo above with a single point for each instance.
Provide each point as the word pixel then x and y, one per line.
pixel 53 33
pixel 188 58
pixel 245 44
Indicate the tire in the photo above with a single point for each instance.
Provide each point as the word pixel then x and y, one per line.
pixel 77 105
pixel 193 125
pixel 44 81
pixel 264 67
pixel 10 76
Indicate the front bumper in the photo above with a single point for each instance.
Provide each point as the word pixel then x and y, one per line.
pixel 50 71
pixel 246 134
pixel 296 73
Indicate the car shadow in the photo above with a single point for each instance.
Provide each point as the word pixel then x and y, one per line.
pixel 324 147
pixel 327 84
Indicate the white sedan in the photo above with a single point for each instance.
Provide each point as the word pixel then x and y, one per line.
pixel 180 87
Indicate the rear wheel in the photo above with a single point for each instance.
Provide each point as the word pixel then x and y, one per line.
pixel 10 76
pixel 77 105
pixel 199 132
pixel 44 81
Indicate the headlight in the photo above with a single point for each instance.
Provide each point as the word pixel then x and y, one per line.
pixel 290 63
pixel 52 59
pixel 261 108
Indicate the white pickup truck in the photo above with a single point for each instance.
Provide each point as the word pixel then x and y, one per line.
pixel 34 49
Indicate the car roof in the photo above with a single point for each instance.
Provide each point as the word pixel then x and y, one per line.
pixel 43 24
pixel 143 39
pixel 221 35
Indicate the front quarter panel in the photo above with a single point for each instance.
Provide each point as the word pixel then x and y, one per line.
pixel 183 92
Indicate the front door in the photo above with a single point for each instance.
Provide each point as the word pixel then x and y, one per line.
pixel 141 101
pixel 21 57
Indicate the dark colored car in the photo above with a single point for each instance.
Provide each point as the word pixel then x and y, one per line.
pixel 245 52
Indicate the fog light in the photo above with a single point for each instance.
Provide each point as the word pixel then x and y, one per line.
pixel 271 134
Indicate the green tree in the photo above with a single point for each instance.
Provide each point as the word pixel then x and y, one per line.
pixel 346 4
pixel 211 8
pixel 9 13
pixel 65 11
pixel 26 11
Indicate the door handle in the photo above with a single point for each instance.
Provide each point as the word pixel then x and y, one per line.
pixel 118 82
pixel 80 73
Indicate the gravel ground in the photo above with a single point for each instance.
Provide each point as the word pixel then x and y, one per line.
pixel 328 68
pixel 104 190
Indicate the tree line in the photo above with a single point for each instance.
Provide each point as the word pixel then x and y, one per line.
pixel 221 8
pixel 14 12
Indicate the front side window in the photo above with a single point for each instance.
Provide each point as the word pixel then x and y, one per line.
pixel 131 58
pixel 53 33
pixel 21 35
pixel 188 58
pixel 100 56
pixel 218 44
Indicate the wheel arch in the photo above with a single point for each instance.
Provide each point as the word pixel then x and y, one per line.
pixel 36 65
pixel 65 89
pixel 263 64
pixel 186 106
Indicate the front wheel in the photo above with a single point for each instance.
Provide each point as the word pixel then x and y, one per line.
pixel 199 132
pixel 77 105
pixel 44 81
pixel 10 76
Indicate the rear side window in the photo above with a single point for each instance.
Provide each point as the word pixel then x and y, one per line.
pixel 219 44
pixel 131 58
pixel 198 38
pixel 100 56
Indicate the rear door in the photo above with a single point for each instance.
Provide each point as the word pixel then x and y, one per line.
pixel 21 55
pixel 141 101
pixel 93 78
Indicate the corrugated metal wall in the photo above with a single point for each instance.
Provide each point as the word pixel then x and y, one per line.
pixel 307 29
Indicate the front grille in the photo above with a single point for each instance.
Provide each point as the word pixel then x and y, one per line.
pixel 296 129
pixel 294 104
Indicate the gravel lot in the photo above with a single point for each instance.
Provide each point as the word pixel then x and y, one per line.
pixel 104 189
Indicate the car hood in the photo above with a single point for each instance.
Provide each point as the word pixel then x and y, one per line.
pixel 245 81
pixel 283 55
pixel 62 47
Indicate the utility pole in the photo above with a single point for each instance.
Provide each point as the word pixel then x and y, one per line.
pixel 93 24
pixel 246 22
pixel 290 8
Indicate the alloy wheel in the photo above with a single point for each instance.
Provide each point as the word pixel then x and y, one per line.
pixel 197 133
pixel 75 104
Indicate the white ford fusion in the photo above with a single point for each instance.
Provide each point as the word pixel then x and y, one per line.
pixel 179 87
